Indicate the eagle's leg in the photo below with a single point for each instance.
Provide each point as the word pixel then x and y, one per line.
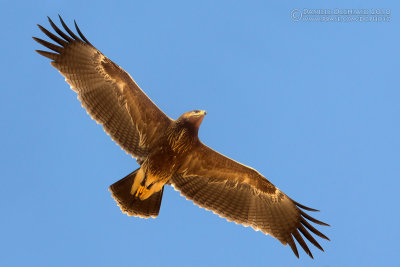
pixel 129 203
pixel 152 188
pixel 146 184
pixel 151 185
pixel 139 180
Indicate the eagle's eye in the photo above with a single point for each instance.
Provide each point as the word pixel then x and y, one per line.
pixel 196 111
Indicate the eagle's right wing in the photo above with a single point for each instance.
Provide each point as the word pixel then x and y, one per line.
pixel 106 91
pixel 241 194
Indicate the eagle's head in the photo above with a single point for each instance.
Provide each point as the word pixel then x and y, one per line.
pixel 183 133
pixel 193 118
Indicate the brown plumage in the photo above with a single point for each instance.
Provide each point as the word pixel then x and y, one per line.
pixel 169 151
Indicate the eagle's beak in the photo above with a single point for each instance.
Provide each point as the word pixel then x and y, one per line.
pixel 199 117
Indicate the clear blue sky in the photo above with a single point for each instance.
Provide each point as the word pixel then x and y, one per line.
pixel 313 106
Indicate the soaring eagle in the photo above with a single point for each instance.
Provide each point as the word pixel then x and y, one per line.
pixel 169 151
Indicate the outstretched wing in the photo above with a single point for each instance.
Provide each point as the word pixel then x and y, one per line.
pixel 241 194
pixel 106 91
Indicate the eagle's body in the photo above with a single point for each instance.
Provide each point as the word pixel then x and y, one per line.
pixel 169 151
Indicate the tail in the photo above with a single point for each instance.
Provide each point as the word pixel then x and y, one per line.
pixel 132 205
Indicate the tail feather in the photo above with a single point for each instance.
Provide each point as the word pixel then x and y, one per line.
pixel 132 205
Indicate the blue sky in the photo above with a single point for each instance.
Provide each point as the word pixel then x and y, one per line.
pixel 313 106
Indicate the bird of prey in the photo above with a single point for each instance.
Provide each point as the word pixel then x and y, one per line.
pixel 169 151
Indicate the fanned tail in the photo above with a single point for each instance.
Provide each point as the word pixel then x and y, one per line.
pixel 132 205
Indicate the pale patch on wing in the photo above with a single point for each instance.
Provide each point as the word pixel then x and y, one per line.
pixel 142 138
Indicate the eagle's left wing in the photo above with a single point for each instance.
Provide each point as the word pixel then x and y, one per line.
pixel 106 91
pixel 241 194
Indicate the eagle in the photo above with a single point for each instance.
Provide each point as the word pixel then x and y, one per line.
pixel 169 151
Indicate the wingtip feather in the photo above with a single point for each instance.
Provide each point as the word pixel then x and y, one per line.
pixel 49 45
pixel 60 32
pixel 293 246
pixel 304 207
pixel 305 215
pixel 312 229
pixel 71 33
pixel 302 243
pixel 310 238
pixel 52 36
pixel 81 34
pixel 49 55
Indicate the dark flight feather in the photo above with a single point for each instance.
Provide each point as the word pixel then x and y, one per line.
pixel 71 33
pixel 60 32
pixel 50 55
pixel 80 34
pixel 49 45
pixel 53 37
